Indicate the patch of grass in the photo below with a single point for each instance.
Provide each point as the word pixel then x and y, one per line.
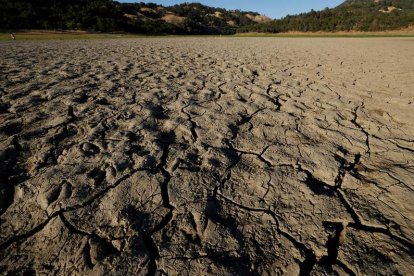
pixel 62 36
pixel 323 35
pixel 5 37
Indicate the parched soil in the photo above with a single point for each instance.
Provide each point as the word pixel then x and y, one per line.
pixel 195 156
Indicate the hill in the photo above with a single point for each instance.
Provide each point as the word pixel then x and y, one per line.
pixel 352 15
pixel 111 16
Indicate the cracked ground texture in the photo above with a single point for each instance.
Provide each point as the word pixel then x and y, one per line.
pixel 222 156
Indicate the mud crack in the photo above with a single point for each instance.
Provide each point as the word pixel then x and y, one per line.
pixel 194 125
pixel 41 226
pixel 310 258
pixel 148 239
pixel 346 168
pixel 9 159
pixel 316 185
pixel 244 119
pixel 360 127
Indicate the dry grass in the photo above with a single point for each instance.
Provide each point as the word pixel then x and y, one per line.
pixel 173 19
pixel 44 35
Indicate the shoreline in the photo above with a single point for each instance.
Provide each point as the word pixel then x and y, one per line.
pixel 33 35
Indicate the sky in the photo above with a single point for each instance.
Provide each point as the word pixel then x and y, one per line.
pixel 271 8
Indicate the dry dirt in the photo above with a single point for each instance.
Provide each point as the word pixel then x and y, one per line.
pixel 195 156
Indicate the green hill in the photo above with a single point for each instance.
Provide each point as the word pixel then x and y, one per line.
pixel 111 16
pixel 352 15
pixel 194 18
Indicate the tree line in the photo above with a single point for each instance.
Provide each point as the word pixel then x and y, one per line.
pixel 354 15
pixel 111 16
pixel 147 18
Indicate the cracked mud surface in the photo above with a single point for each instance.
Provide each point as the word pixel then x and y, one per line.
pixel 220 156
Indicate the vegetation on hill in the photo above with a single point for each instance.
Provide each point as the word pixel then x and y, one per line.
pixel 111 16
pixel 194 18
pixel 352 15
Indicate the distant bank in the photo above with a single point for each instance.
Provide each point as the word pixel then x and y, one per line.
pixel 76 35
pixel 402 32
pixel 109 16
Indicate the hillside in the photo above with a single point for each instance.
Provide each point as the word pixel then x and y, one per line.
pixel 111 16
pixel 352 15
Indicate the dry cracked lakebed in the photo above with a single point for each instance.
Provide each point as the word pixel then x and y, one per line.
pixel 195 156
